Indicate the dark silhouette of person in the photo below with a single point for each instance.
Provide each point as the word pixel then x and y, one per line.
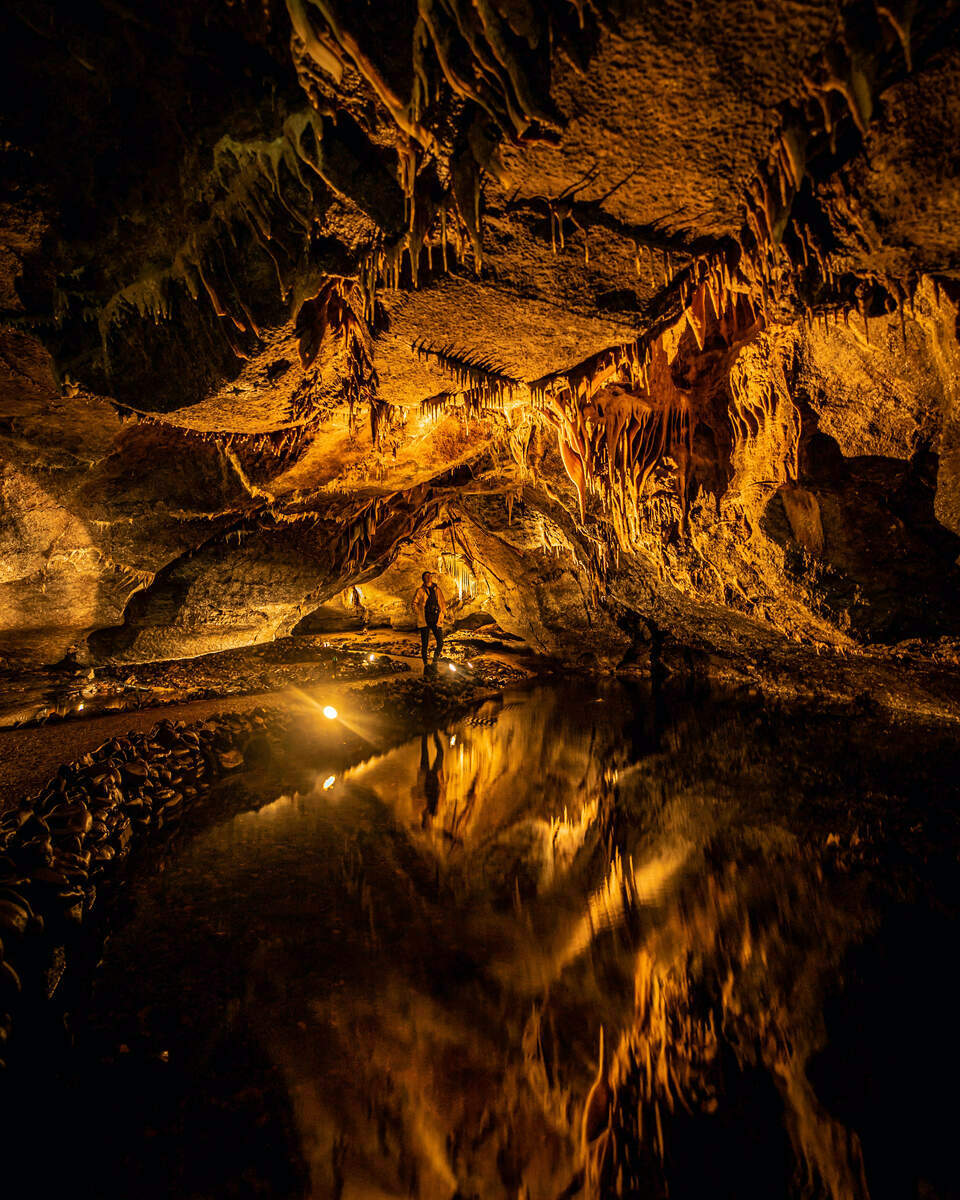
pixel 431 778
pixel 430 605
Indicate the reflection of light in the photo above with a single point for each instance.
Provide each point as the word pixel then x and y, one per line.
pixel 330 712
pixel 329 782
pixel 470 664
pixel 453 739
pixel 452 667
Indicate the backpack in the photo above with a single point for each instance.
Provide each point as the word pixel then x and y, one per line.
pixel 431 610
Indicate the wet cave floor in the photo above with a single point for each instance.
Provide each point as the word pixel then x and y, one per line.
pixel 589 940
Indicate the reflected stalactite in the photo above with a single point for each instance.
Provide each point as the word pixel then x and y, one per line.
pixel 713 996
pixel 555 949
pixel 720 975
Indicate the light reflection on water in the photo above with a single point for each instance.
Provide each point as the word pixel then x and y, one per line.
pixel 559 948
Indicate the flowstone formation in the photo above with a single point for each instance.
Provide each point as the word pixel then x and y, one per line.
pixel 637 323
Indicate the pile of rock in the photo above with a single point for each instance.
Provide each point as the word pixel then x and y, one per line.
pixel 55 847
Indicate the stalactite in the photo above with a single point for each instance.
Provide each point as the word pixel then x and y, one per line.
pixel 619 416
pixel 463 573
pixel 471 369
pixel 774 240
pixel 318 50
pixel 333 313
pixel 612 445
pixel 473 402
pixel 335 316
pixel 899 13
pixel 477 54
pixel 246 179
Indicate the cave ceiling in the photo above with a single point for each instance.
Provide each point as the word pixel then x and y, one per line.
pixel 644 314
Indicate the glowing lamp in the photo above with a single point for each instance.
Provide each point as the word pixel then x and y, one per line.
pixel 329 782
pixel 79 708
pixel 330 712
pixel 371 657
pixel 452 667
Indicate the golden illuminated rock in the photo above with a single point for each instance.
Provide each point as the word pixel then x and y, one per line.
pixel 623 321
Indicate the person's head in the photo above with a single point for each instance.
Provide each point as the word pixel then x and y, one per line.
pixel 428 578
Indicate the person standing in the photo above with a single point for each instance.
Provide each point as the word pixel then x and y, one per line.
pixel 429 605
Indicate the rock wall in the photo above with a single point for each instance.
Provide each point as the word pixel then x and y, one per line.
pixel 628 321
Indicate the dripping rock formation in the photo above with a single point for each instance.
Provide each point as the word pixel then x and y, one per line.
pixel 637 322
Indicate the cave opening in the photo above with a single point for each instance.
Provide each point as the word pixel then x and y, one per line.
pixel 479 572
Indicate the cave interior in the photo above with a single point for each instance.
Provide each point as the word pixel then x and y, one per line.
pixel 634 323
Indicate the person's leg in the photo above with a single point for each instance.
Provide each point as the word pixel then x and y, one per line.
pixel 424 642
pixel 439 636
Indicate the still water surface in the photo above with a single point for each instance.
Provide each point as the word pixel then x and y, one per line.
pixel 585 942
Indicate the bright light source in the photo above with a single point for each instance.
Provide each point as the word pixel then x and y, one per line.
pixel 470 665
pixel 330 712
pixel 329 782
pixel 453 740
pixel 452 667
pixel 371 657
pixel 79 708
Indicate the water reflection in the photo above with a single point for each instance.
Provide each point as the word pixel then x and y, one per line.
pixel 566 947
